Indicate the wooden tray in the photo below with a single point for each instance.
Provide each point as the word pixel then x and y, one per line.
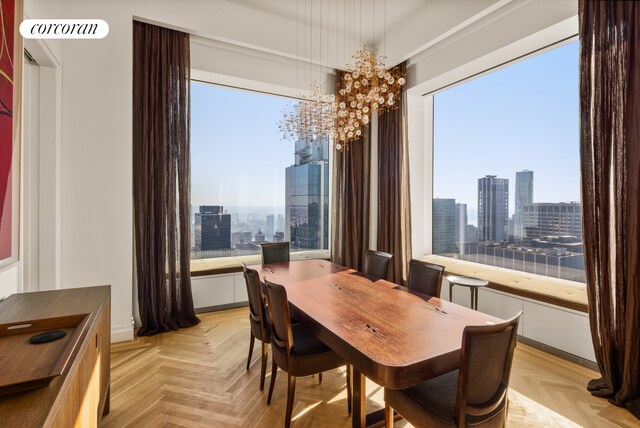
pixel 25 366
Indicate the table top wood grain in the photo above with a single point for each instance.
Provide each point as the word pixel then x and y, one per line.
pixel 395 338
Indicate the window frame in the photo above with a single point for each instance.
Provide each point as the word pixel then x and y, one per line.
pixel 505 59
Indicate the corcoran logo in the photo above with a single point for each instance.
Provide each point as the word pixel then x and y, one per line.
pixel 64 29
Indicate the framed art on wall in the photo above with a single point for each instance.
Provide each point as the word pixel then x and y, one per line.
pixel 10 129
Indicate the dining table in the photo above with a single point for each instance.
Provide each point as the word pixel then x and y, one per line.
pixel 395 337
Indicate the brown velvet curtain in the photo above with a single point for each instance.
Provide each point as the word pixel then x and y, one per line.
pixel 610 159
pixel 350 201
pixel 394 205
pixel 161 177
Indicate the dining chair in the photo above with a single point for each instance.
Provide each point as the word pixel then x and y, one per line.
pixel 258 319
pixel 295 350
pixel 274 252
pixel 425 278
pixel 473 395
pixel 377 263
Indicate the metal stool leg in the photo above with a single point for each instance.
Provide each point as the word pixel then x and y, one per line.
pixel 472 296
pixel 474 291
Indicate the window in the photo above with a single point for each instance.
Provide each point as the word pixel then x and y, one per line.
pixel 249 186
pixel 506 180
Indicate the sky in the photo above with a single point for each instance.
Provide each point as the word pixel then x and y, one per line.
pixel 523 116
pixel 237 155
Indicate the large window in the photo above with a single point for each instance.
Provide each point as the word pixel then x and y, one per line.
pixel 506 179
pixel 249 186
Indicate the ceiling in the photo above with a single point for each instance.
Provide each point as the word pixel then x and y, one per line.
pixel 328 31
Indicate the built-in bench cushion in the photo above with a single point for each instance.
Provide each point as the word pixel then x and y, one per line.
pixel 221 265
pixel 568 294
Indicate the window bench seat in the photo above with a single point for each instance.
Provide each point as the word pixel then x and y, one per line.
pixel 554 318
pixel 222 265
pixel 559 292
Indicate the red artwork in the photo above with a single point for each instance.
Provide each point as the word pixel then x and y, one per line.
pixel 7 12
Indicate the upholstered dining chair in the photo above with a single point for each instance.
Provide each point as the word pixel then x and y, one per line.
pixel 425 278
pixel 377 263
pixel 295 350
pixel 258 319
pixel 473 395
pixel 274 252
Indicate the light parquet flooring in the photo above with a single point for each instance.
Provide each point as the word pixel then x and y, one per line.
pixel 196 377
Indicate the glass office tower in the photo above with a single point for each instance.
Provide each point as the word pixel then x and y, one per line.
pixel 493 209
pixel 307 196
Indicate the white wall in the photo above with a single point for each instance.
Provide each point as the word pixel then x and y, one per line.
pixel 96 153
pixel 10 280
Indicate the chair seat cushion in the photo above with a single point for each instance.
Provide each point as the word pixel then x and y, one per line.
pixel 305 343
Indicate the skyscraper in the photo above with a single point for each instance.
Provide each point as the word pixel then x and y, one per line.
pixel 307 196
pixel 552 219
pixel 493 208
pixel 524 196
pixel 460 223
pixel 280 223
pixel 444 213
pixel 270 229
pixel 212 228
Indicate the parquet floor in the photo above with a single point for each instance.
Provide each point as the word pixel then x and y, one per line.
pixel 196 378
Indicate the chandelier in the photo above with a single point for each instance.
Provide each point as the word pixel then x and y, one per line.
pixel 311 118
pixel 366 87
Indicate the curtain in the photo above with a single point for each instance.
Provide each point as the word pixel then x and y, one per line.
pixel 394 206
pixel 350 201
pixel 161 178
pixel 610 159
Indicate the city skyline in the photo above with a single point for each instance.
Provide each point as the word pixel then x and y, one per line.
pixel 540 237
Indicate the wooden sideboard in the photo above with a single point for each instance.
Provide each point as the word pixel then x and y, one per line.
pixel 80 396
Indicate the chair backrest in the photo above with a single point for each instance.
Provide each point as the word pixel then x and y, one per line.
pixel 281 334
pixel 257 303
pixel 274 252
pixel 485 369
pixel 377 264
pixel 425 278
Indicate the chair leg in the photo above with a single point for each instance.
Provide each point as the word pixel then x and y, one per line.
pixel 263 367
pixel 349 395
pixel 319 377
pixel 388 416
pixel 291 391
pixel 274 371
pixel 250 351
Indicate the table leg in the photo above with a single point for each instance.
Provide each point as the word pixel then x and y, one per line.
pixel 359 415
pixel 450 292
pixel 474 298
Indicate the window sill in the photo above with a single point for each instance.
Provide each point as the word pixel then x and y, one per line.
pixel 222 265
pixel 560 292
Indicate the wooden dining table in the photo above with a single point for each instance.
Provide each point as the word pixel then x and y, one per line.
pixel 394 337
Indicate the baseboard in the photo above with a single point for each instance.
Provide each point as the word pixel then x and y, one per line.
pixel 121 333
pixel 221 307
pixel 559 353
